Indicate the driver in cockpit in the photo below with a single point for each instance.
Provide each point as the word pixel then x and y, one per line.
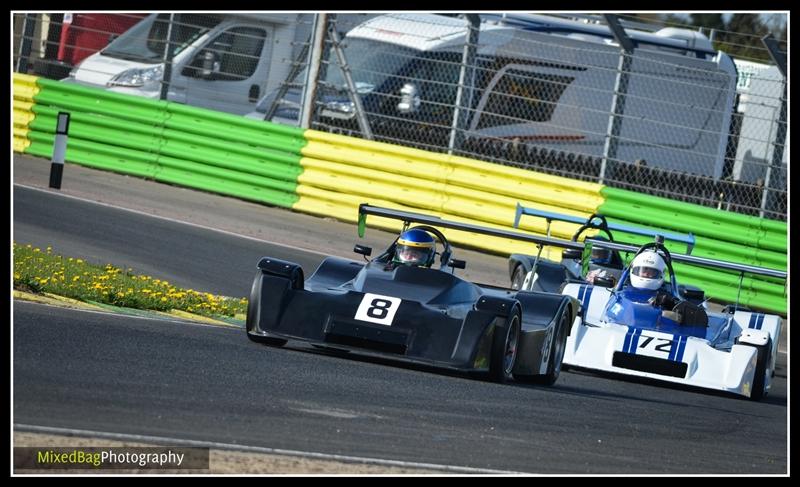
pixel 415 247
pixel 647 274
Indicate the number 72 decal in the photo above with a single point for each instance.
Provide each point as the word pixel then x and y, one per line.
pixel 658 344
pixel 378 309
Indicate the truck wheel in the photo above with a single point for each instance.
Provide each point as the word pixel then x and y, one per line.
pixel 504 347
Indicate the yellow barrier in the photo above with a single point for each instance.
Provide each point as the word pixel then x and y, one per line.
pixel 340 172
pixel 25 89
pixel 344 207
pixel 459 170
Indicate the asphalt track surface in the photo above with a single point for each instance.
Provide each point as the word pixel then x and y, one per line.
pixel 101 372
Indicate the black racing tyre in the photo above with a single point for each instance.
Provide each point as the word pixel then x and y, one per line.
pixel 557 348
pixel 252 303
pixel 759 378
pixel 505 343
pixel 518 277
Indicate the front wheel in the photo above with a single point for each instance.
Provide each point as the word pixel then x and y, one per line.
pixel 759 390
pixel 252 315
pixel 504 347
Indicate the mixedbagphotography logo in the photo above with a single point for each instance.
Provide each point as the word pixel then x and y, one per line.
pixel 99 458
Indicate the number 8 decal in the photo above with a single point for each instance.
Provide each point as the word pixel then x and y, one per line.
pixel 378 309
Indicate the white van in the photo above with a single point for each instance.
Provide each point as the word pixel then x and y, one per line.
pixel 539 80
pixel 221 62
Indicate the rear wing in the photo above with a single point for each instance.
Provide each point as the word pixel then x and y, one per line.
pixel 365 209
pixel 688 239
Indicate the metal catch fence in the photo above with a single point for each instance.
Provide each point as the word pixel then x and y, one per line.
pixel 660 112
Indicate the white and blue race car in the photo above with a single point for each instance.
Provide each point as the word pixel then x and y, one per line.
pixel 621 332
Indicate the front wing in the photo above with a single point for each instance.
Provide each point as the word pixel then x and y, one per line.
pixel 381 324
pixel 663 356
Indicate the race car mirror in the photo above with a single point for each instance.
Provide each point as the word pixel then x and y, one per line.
pixel 363 250
pixel 457 264
pixel 604 281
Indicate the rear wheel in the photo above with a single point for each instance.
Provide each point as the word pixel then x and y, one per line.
pixel 518 277
pixel 504 347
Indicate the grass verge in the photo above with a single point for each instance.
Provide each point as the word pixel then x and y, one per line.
pixel 41 271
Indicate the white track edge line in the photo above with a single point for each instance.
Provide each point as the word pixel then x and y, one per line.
pixel 255 449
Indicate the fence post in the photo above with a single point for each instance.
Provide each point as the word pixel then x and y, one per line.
pixel 302 58
pixel 620 90
pixel 780 133
pixel 312 78
pixel 167 76
pixel 461 112
pixel 352 89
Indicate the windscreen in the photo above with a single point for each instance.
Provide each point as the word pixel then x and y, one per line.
pixel 146 41
pixel 371 63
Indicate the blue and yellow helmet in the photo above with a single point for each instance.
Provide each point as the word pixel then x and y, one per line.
pixel 415 247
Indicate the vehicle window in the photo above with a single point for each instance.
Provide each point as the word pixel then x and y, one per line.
pixel 371 63
pixel 237 52
pixel 146 40
pixel 523 96
pixel 437 77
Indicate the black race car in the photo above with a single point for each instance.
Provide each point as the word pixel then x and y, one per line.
pixel 594 264
pixel 416 314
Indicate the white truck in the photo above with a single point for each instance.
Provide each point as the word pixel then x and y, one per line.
pixel 222 62
pixel 538 79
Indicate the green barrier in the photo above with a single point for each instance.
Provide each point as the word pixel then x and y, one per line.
pixel 714 249
pixel 204 116
pixel 152 114
pixel 169 142
pixel 240 190
pixel 226 176
pixel 74 89
pixel 46 117
pixel 710 214
pixel 284 167
pixel 82 130
pixel 750 284
pixel 242 135
pixel 748 237
pixel 100 156
pixel 219 143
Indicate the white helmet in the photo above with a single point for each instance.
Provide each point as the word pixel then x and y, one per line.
pixel 647 270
